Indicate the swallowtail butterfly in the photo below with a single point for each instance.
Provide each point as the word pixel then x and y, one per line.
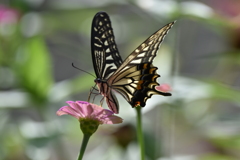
pixel 135 77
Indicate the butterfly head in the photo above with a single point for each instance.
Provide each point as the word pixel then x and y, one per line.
pixel 97 80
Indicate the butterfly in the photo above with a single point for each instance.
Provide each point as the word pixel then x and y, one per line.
pixel 135 77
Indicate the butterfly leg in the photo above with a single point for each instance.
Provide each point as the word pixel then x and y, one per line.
pixel 101 101
pixel 91 92
pixel 95 94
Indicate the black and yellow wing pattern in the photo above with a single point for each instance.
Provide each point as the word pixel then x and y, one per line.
pixel 135 77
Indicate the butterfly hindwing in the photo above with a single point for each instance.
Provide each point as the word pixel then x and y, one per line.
pixel 136 78
pixel 137 84
pixel 105 56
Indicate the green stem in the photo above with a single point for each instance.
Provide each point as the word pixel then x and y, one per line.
pixel 139 132
pixel 86 138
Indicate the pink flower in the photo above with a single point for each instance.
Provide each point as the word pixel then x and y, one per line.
pixel 9 18
pixel 87 111
pixel 163 88
pixel 8 15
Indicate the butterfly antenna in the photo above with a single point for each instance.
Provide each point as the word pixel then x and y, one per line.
pixel 83 70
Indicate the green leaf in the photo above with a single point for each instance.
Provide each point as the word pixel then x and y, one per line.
pixel 34 68
pixel 227 142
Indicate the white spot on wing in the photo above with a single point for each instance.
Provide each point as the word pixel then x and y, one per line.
pixel 142 54
pixel 95 44
pixel 103 36
pixel 136 61
pixel 107 50
pixel 106 43
pixel 146 48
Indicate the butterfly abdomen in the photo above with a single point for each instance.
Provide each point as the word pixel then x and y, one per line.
pixel 106 92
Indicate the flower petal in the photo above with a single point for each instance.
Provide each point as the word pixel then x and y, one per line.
pixel 86 108
pixel 163 88
pixel 68 110
pixel 104 113
pixel 76 107
pixel 90 112
pixel 113 120
pixel 82 103
pixel 96 108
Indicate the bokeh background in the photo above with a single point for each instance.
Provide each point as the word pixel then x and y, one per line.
pixel 199 58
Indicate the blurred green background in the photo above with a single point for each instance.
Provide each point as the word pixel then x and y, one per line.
pixel 199 58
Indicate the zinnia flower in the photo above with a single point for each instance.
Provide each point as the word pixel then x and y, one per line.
pixel 89 115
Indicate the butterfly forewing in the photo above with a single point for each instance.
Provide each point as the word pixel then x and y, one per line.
pixel 105 56
pixel 146 52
